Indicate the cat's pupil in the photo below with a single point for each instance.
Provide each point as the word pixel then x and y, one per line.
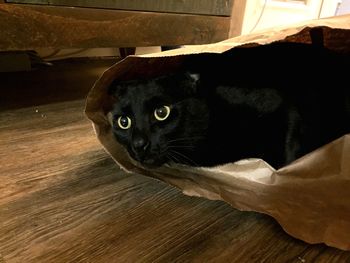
pixel 124 121
pixel 162 112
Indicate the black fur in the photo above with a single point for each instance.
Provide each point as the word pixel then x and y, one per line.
pixel 275 102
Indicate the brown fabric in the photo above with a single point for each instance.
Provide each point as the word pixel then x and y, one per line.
pixel 310 198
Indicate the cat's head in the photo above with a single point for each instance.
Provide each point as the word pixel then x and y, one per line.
pixel 160 120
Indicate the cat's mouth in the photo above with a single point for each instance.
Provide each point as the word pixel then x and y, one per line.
pixel 156 159
pixel 150 162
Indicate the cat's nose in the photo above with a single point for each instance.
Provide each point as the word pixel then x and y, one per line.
pixel 140 143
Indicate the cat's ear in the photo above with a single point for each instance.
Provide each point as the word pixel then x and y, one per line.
pixel 116 89
pixel 194 76
pixel 194 79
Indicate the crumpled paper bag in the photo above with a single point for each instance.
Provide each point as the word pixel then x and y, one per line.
pixel 309 198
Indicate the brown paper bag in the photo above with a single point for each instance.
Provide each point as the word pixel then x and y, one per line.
pixel 310 198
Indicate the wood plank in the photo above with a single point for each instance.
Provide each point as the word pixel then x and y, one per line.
pixel 65 80
pixel 62 198
pixel 200 7
pixel 237 17
pixel 25 27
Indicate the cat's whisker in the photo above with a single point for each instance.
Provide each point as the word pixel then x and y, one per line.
pixel 186 147
pixel 177 160
pixel 181 146
pixel 168 156
pixel 172 158
pixel 184 158
pixel 186 139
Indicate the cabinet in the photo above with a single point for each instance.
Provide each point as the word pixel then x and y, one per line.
pixel 30 24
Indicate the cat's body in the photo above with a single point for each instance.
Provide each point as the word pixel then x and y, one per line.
pixel 236 108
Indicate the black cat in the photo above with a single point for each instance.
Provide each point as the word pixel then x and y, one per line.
pixel 275 102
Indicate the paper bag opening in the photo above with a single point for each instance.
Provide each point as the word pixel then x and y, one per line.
pixel 309 198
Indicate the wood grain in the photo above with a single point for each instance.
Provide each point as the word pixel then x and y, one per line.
pixel 200 7
pixel 25 27
pixel 237 17
pixel 64 80
pixel 62 198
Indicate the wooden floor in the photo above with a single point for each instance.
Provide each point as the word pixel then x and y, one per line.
pixel 62 198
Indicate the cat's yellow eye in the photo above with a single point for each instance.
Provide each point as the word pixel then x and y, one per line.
pixel 124 122
pixel 162 113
